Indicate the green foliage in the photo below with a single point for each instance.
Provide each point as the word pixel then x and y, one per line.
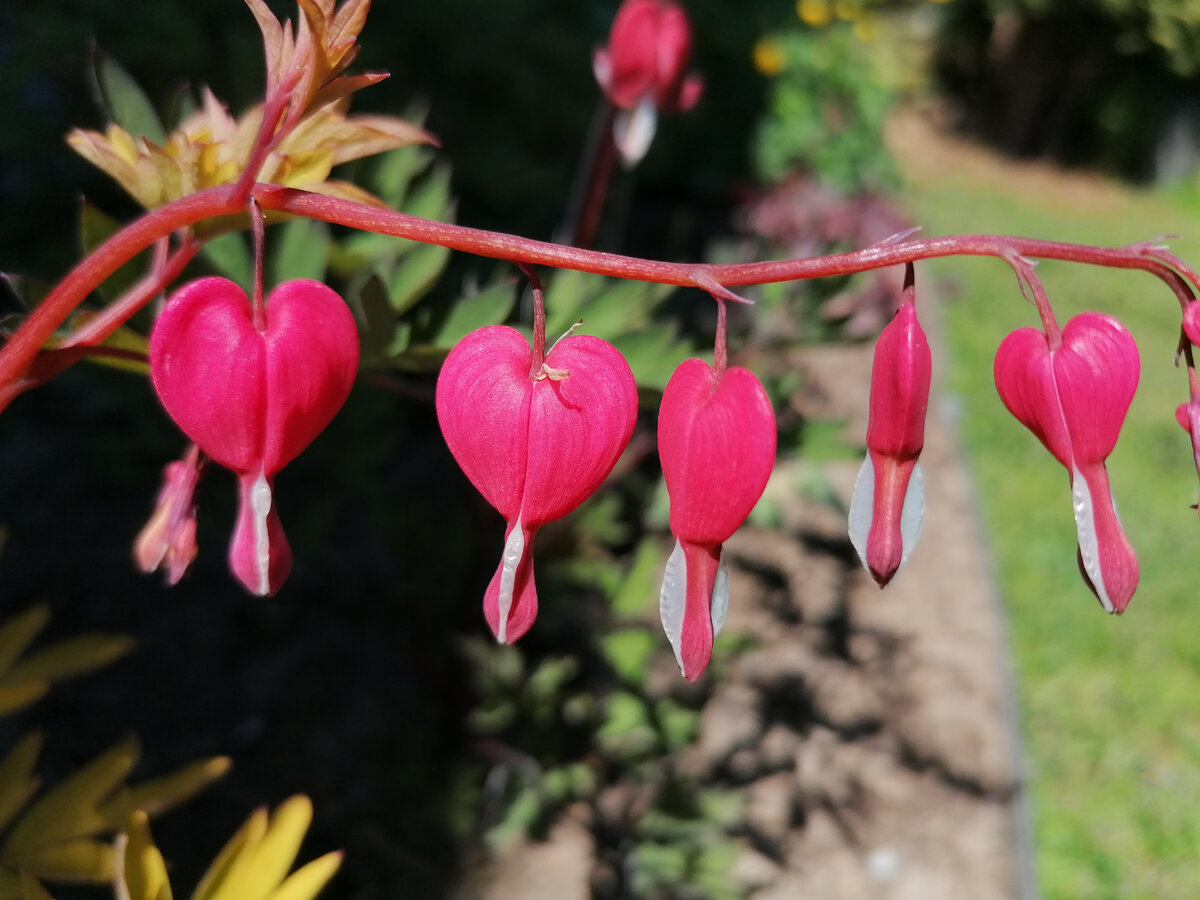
pixel 1107 703
pixel 826 111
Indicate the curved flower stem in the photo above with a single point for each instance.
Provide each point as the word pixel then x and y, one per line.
pixel 258 302
pixel 19 353
pixel 720 348
pixel 1033 291
pixel 164 270
pixel 539 320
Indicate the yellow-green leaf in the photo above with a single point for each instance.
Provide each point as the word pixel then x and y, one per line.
pixel 32 889
pixel 140 865
pixel 166 791
pixel 17 782
pixel 70 810
pixel 10 884
pixel 20 694
pixel 262 868
pixel 81 859
pixel 73 656
pixel 240 846
pixel 18 632
pixel 307 881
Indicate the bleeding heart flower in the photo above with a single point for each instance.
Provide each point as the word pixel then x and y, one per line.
pixel 536 440
pixel 253 399
pixel 716 440
pixel 1074 398
pixel 889 494
pixel 642 71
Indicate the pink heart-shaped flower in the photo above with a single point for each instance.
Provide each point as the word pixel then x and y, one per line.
pixel 716 440
pixel 1074 399
pixel 250 399
pixel 535 444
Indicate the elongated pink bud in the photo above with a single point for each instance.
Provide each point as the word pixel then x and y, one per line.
pixel 535 444
pixel 1074 399
pixel 716 440
pixel 888 505
pixel 252 400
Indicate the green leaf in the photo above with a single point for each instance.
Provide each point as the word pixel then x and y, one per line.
pixel 262 866
pixel 162 793
pixel 231 257
pixel 143 866
pixel 72 656
pixel 546 682
pixel 395 170
pixel 566 296
pixel 653 354
pixel 677 723
pixel 415 274
pixel 639 590
pixel 301 251
pixel 32 889
pixel 78 859
pixel 19 631
pixel 126 104
pixel 71 809
pixel 20 694
pixel 307 881
pixel 28 291
pixel 491 306
pixel 17 781
pixel 368 301
pixel 95 227
pixel 233 854
pixel 628 651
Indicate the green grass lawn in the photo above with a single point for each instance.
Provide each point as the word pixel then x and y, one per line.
pixel 1111 705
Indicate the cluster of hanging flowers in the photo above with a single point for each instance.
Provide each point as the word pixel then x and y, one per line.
pixel 252 380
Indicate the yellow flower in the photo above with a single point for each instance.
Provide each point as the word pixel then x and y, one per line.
pixel 768 57
pixel 815 13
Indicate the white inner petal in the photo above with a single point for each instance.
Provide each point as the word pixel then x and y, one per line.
pixel 913 513
pixel 862 506
pixel 633 130
pixel 672 600
pixel 260 502
pixel 514 549
pixel 1089 542
pixel 720 595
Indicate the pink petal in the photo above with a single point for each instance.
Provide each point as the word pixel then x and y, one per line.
pixel 1025 382
pixel 483 398
pixel 208 365
pixel 253 400
pixel 259 554
pixel 716 441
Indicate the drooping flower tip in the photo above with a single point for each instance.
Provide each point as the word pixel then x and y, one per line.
pixel 168 539
pixel 253 400
pixel 888 504
pixel 642 71
pixel 1188 416
pixel 716 441
pixel 536 444
pixel 1074 399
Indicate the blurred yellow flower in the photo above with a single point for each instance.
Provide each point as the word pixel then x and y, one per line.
pixel 768 57
pixel 866 28
pixel 814 12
